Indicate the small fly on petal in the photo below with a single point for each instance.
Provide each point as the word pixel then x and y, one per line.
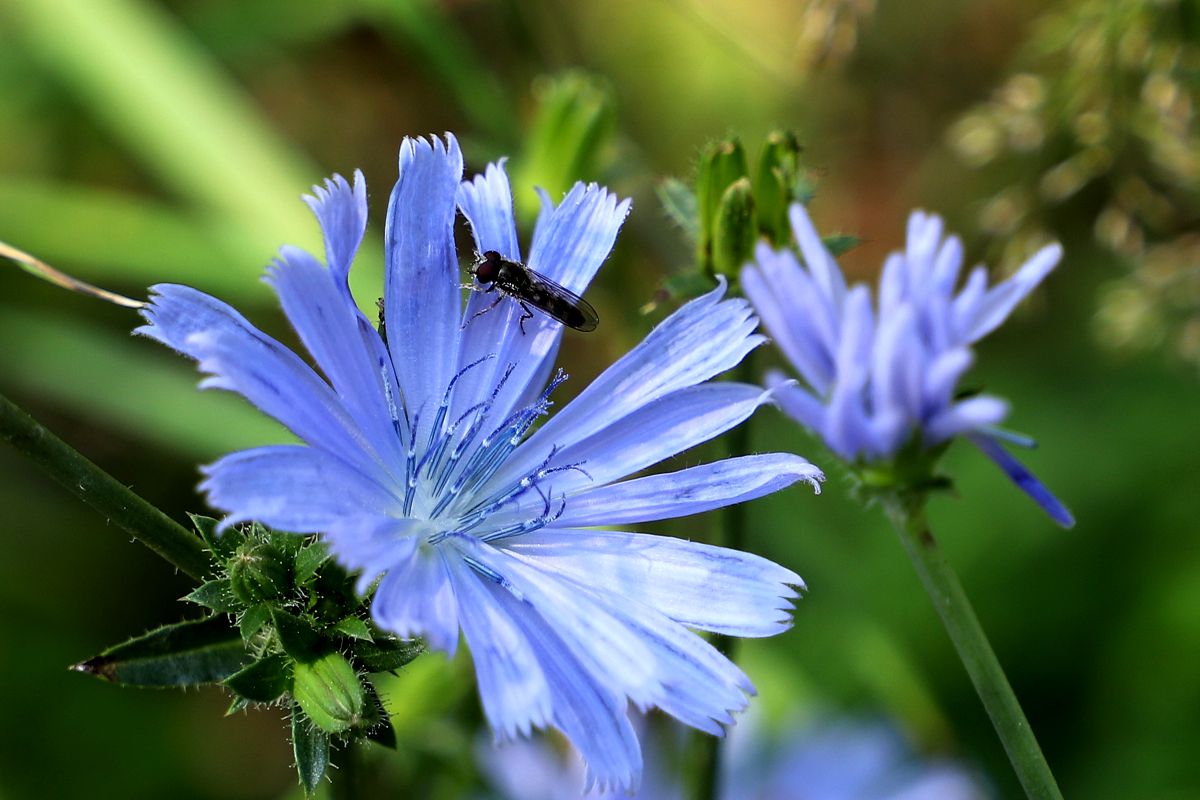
pixel 513 279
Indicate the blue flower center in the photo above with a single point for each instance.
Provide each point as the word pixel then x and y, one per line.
pixel 446 473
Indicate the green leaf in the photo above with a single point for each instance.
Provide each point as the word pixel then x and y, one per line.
pixel 311 748
pixel 387 653
pixel 297 638
pixel 264 681
pixel 679 202
pixel 215 595
pixel 254 619
pixel 355 628
pixel 188 653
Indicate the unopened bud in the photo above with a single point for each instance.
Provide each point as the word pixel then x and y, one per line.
pixel 736 229
pixel 329 692
pixel 721 165
pixel 775 185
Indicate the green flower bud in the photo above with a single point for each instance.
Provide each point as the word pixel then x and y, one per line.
pixel 260 572
pixel 721 164
pixel 736 229
pixel 329 692
pixel 775 185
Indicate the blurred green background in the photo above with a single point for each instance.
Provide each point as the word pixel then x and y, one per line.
pixel 146 142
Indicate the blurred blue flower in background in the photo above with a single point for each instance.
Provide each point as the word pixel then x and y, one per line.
pixel 420 469
pixel 826 758
pixel 880 374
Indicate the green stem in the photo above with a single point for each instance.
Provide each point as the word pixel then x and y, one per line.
pixel 102 492
pixel 940 582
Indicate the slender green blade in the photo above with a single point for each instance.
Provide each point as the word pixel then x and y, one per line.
pixel 142 74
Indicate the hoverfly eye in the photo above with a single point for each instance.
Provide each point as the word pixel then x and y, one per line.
pixel 488 267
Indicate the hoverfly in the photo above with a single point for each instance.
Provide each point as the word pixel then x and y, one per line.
pixel 513 279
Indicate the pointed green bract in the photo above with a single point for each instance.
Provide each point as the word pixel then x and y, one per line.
pixel 253 620
pixel 310 745
pixel 308 561
pixel 355 628
pixel 296 636
pixel 215 595
pixel 222 546
pixel 264 681
pixel 189 653
pixel 385 653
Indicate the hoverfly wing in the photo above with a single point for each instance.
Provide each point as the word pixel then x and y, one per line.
pixel 564 305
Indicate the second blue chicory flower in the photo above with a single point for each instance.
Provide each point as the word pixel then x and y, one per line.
pixel 882 372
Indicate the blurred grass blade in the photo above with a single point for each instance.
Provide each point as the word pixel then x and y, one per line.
pixel 117 237
pixel 248 28
pixel 140 72
pixel 111 379
pixel 421 25
pixel 40 269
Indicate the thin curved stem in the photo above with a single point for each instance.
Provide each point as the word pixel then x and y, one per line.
pixel 102 492
pixel 942 585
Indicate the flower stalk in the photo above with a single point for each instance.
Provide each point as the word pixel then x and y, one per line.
pixel 101 491
pixel 907 514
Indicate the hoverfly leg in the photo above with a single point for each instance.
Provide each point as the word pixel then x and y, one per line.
pixel 483 311
pixel 527 315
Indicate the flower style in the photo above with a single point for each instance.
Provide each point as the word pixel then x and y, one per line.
pixel 421 466
pixel 878 376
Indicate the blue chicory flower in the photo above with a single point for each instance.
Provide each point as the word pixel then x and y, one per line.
pixel 878 374
pixel 421 463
